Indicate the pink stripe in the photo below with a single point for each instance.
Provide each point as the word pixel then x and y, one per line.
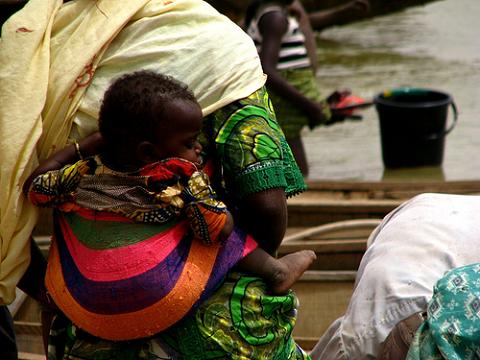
pixel 126 261
pixel 250 245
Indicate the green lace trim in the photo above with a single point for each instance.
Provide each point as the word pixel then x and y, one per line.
pixel 293 175
pixel 269 175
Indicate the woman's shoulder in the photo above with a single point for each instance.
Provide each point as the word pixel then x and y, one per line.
pixel 270 8
pixel 257 9
pixel 269 16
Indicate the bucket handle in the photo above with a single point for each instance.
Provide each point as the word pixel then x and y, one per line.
pixel 446 132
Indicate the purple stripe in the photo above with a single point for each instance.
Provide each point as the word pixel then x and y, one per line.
pixel 227 258
pixel 122 296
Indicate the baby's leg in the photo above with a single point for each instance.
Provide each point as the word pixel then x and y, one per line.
pixel 280 273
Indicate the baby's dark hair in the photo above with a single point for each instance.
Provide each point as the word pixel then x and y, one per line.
pixel 132 104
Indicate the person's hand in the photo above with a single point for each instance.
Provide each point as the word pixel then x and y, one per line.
pixel 337 116
pixel 337 96
pixel 315 114
pixel 343 105
pixel 332 100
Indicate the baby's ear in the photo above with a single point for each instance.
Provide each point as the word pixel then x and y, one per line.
pixel 147 152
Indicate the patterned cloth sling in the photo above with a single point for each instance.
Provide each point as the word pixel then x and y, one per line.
pixel 145 265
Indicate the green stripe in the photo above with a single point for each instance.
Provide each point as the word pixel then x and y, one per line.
pixel 101 235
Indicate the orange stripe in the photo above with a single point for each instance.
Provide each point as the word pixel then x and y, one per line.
pixel 142 323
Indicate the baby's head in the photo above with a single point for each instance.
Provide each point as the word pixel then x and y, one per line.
pixel 146 117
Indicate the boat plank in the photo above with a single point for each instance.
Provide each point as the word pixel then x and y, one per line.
pixel 20 298
pixel 322 299
pixel 460 186
pixel 325 246
pixel 347 229
pixel 30 356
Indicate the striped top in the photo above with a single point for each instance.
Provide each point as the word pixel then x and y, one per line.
pixel 293 53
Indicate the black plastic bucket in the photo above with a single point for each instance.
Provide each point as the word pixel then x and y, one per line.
pixel 413 126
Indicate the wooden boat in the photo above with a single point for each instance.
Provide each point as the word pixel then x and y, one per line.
pixel 332 218
pixel 377 7
pixel 335 219
pixel 330 201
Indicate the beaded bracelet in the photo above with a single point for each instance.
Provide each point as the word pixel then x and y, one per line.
pixel 77 150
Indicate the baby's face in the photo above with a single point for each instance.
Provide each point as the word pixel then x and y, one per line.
pixel 178 134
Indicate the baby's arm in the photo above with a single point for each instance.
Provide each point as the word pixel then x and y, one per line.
pixel 89 146
pixel 54 182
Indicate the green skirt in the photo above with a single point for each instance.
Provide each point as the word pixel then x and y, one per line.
pixel 290 117
pixel 240 321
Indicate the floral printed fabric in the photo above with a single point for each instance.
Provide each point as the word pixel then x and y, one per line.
pixel 452 328
pixel 251 151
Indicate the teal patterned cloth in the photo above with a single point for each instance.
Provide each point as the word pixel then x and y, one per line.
pixel 452 328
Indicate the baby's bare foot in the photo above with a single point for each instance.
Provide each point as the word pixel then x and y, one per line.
pixel 292 266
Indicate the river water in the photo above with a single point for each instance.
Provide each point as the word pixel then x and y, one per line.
pixel 433 46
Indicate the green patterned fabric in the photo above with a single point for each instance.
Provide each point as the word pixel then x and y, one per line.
pixel 290 117
pixel 251 148
pixel 263 324
pixel 452 328
pixel 240 321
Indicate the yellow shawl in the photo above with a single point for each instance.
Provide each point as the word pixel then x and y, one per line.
pixel 57 60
